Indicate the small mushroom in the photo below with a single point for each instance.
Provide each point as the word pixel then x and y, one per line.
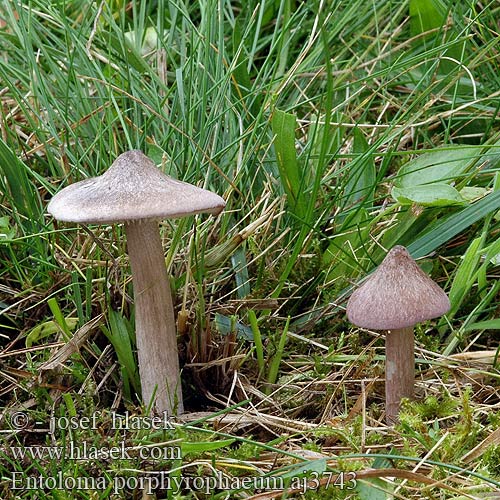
pixel 394 298
pixel 135 192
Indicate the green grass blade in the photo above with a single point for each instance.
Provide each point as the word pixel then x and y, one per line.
pixel 120 337
pixel 278 356
pixel 362 176
pixel 283 126
pixel 490 324
pixel 23 195
pixel 257 338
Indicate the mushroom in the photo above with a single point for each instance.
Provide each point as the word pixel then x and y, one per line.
pixel 394 298
pixel 134 191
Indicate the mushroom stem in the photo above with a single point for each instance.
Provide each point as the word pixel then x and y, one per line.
pixel 399 370
pixel 154 319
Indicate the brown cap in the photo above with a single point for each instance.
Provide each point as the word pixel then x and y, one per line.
pixel 397 295
pixel 133 188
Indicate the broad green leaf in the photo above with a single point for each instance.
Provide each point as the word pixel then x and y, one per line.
pixel 440 165
pixel 77 297
pixel 46 329
pixel 283 125
pixel 179 80
pixel 382 462
pixel 432 195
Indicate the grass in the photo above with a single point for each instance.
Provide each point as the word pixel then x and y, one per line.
pixel 335 130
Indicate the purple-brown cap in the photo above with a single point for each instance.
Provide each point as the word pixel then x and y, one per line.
pixel 397 295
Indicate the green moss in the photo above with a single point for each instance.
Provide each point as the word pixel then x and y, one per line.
pixel 491 460
pixel 431 407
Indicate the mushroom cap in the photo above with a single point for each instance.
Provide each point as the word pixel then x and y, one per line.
pixel 133 188
pixel 397 295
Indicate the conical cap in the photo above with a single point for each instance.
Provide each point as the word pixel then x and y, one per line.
pixel 397 295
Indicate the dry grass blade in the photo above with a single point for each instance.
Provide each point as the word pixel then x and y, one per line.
pixel 492 440
pixel 59 357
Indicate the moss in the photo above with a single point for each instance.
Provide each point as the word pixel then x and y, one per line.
pixel 491 460
pixel 431 407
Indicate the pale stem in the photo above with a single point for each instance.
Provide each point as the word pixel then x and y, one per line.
pixel 399 370
pixel 154 319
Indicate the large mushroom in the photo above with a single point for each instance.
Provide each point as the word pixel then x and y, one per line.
pixel 134 191
pixel 394 298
